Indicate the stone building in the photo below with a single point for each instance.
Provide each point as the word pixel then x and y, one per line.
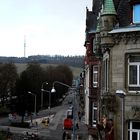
pixel 115 49
pixel 91 84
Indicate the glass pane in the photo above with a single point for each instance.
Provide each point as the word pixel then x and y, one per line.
pixel 134 58
pixel 95 77
pixel 128 135
pixel 136 125
pixel 134 135
pixel 95 68
pixel 129 125
pixel 136 13
pixel 133 74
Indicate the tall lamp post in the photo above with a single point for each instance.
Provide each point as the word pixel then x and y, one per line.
pixel 35 101
pixel 122 94
pixel 43 90
pixel 42 87
pixel 53 90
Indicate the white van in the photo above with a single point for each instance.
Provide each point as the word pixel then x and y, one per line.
pixel 70 113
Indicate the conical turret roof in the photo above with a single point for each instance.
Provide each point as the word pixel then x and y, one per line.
pixel 109 8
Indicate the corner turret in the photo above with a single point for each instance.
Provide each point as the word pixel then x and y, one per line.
pixel 108 20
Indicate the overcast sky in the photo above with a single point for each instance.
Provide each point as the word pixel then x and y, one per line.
pixel 50 27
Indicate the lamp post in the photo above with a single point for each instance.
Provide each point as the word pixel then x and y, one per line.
pixel 57 82
pixel 35 101
pixel 122 94
pixel 49 97
pixel 42 93
pixel 53 90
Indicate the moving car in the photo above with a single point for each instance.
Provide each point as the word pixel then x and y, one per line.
pixel 70 113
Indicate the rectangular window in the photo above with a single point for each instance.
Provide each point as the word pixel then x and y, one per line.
pixel 95 76
pixel 136 13
pixel 94 115
pixel 133 130
pixel 134 73
pixel 106 75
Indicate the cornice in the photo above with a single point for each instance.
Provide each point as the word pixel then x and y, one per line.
pixel 126 37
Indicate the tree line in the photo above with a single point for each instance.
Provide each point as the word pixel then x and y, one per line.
pixel 31 79
pixel 75 61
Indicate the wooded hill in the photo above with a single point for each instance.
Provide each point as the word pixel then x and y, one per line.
pixel 74 61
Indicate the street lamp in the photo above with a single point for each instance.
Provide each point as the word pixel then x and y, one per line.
pixel 42 93
pixel 43 90
pixel 35 101
pixel 57 82
pixel 122 94
pixel 53 90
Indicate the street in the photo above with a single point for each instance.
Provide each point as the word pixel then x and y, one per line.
pixel 54 130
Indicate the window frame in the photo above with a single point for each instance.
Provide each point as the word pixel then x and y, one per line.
pixel 131 130
pixel 134 87
pixel 136 10
pixel 95 74
pixel 106 74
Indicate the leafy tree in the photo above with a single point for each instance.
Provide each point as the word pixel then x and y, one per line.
pixel 30 80
pixel 8 77
pixel 66 72
pixel 62 73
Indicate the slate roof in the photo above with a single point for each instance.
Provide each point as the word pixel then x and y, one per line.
pixel 91 22
pixel 131 28
pixel 122 8
pixel 109 8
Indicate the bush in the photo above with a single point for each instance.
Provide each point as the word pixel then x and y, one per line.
pixel 4 111
pixel 22 125
pixel 2 136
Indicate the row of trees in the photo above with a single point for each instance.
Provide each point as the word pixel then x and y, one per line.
pixel 75 61
pixel 31 79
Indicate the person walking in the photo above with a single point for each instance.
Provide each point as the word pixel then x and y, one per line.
pixel 79 115
pixel 64 135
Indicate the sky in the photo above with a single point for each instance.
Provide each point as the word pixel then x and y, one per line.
pixel 48 27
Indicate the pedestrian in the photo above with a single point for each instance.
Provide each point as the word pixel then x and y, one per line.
pixel 36 123
pixel 77 126
pixel 64 135
pixel 79 115
pixel 105 128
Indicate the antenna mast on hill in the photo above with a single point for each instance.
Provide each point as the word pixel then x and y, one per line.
pixel 24 46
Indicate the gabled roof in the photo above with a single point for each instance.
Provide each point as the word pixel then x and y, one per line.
pixel 91 22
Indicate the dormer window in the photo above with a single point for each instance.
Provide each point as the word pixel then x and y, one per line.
pixel 136 13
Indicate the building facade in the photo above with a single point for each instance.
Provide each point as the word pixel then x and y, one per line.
pixel 114 42
pixel 91 85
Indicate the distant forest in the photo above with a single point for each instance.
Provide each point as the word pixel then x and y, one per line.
pixel 75 61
